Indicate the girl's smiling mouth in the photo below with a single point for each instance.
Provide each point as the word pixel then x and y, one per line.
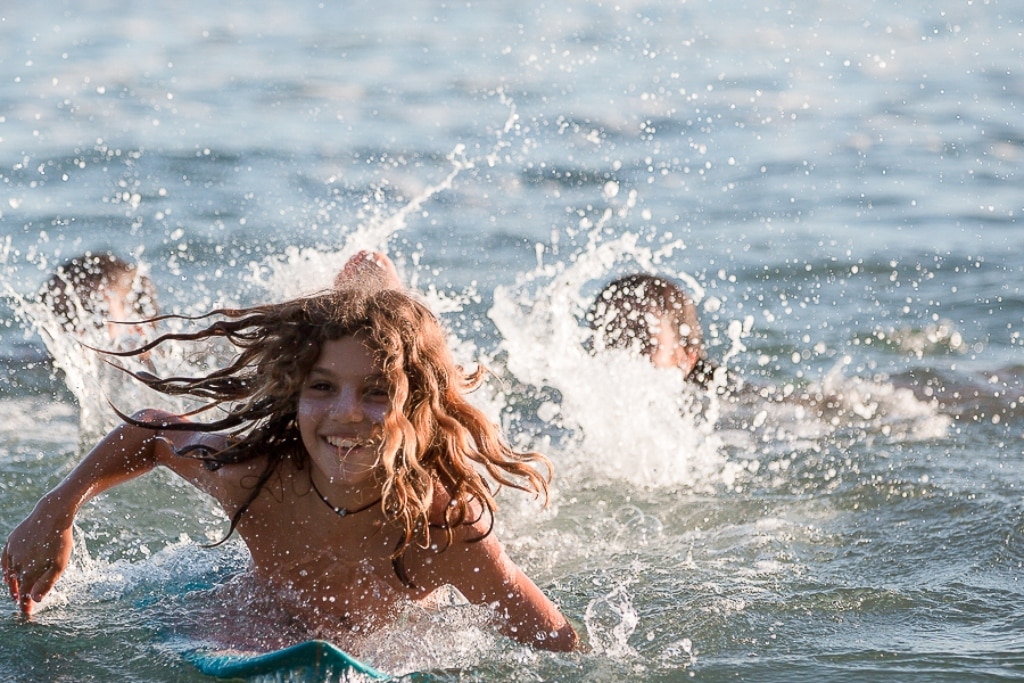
pixel 346 443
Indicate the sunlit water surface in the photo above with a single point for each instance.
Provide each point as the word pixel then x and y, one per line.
pixel 838 183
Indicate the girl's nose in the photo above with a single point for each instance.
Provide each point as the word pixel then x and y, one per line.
pixel 347 407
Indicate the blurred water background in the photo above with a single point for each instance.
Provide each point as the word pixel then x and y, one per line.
pixel 837 182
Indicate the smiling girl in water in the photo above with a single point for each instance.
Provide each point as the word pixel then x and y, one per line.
pixel 345 456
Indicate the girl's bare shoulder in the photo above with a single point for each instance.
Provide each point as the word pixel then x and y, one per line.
pixel 198 455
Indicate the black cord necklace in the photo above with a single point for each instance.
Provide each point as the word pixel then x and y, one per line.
pixel 341 512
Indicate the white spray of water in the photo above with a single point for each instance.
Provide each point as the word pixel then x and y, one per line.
pixel 298 271
pixel 87 579
pixel 70 344
pixel 880 407
pixel 631 421
pixel 611 620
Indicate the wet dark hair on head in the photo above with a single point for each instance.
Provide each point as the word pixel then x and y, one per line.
pixel 630 311
pixel 81 285
pixel 432 436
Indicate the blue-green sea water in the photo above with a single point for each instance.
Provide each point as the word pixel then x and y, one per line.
pixel 838 183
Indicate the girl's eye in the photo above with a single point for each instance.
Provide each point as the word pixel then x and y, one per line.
pixel 377 393
pixel 320 386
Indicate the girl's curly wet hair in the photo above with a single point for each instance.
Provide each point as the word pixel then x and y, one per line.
pixel 433 438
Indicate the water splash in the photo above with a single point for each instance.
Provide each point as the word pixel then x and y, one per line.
pixel 627 419
pixel 937 338
pixel 300 270
pixel 611 619
pixel 877 407
pixel 70 343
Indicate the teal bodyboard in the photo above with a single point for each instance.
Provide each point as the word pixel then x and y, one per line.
pixel 316 659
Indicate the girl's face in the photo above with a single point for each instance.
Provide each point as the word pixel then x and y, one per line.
pixel 342 405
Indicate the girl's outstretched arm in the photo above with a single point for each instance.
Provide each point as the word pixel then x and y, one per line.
pixel 485 574
pixel 38 550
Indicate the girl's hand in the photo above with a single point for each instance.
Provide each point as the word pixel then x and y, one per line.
pixel 38 550
pixel 36 554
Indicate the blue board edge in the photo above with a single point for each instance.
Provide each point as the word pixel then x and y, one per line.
pixel 315 656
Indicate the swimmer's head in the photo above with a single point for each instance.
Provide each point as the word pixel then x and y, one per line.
pixel 652 316
pixel 94 291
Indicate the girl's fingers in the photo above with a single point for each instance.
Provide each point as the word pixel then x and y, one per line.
pixel 34 592
pixel 26 605
pixel 44 584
